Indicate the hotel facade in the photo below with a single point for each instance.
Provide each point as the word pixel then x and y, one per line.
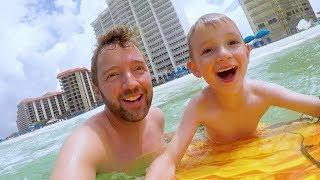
pixel 160 36
pixel 78 90
pixel 45 108
pixel 279 16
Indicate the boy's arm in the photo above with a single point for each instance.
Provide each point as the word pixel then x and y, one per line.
pixel 165 165
pixel 282 97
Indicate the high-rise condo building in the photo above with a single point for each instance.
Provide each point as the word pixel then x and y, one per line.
pixel 160 36
pixel 78 91
pixel 50 106
pixel 279 16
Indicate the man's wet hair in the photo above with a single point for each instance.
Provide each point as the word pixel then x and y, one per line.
pixel 122 36
pixel 208 20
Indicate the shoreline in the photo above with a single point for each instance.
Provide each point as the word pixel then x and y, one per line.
pixel 284 43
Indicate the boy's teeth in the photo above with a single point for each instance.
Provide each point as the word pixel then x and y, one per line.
pixel 132 98
pixel 226 69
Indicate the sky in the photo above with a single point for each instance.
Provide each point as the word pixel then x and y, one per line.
pixel 40 38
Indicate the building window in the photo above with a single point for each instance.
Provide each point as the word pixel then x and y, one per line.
pixel 273 20
pixel 261 25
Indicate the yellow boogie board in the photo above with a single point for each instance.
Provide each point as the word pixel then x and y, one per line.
pixel 281 151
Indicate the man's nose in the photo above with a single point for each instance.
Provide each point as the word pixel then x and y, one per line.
pixel 129 81
pixel 224 54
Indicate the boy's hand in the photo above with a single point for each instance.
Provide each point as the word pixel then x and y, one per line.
pixel 161 168
pixel 164 166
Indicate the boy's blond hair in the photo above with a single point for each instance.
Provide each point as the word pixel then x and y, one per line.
pixel 211 19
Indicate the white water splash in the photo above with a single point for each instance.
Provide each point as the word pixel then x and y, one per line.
pixel 303 25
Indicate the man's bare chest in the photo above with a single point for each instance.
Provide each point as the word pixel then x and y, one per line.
pixel 122 153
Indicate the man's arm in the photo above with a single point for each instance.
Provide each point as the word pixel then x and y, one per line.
pixel 165 165
pixel 77 159
pixel 282 97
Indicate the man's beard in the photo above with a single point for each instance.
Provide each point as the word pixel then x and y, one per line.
pixel 127 115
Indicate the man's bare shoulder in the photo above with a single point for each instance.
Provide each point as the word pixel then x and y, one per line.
pixel 155 111
pixel 156 115
pixel 92 126
pixel 86 141
pixel 82 151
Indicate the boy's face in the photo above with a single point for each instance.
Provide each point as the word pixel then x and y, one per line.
pixel 219 56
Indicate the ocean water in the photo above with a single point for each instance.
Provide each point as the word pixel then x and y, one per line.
pixel 293 63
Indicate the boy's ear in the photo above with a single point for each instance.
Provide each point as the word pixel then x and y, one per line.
pixel 248 49
pixel 194 68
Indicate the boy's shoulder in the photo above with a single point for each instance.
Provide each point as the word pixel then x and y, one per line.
pixel 257 83
pixel 200 99
pixel 266 90
pixel 200 96
pixel 259 86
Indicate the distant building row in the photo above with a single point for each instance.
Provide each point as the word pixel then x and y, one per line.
pixel 78 91
pixel 77 97
pixel 279 16
pixel 49 106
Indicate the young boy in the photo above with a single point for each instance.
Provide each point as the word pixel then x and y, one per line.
pixel 231 106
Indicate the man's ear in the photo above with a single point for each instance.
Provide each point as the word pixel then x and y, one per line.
pixel 194 68
pixel 97 91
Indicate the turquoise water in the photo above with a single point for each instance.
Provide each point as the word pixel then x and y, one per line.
pixel 32 156
pixel 296 68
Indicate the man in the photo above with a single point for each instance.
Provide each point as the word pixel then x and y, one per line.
pixel 128 127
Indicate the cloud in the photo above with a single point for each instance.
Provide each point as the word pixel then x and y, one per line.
pixel 42 38
pixel 195 9
pixel 215 2
pixel 232 6
pixel 315 6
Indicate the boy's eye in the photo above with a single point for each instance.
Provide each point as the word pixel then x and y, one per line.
pixel 139 68
pixel 233 42
pixel 206 51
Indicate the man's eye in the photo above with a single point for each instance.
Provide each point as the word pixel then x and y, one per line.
pixel 112 75
pixel 233 42
pixel 206 51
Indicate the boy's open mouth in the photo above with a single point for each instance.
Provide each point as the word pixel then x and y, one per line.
pixel 227 74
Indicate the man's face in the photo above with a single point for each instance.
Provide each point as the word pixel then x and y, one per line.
pixel 220 56
pixel 124 82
